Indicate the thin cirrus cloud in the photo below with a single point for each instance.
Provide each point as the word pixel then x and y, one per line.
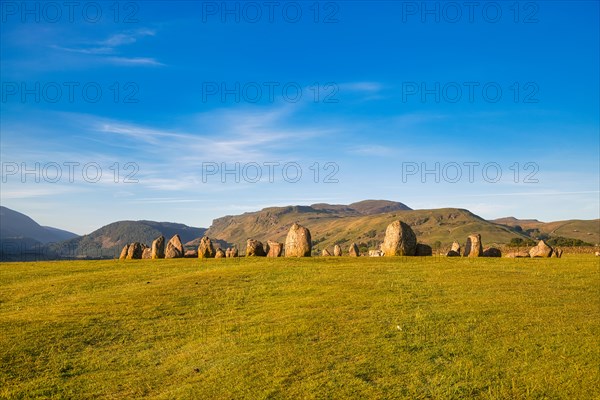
pixel 109 49
pixel 231 135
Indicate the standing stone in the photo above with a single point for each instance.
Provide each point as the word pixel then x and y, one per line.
pixel 492 252
pixel 452 253
pixel 147 253
pixel 124 252
pixel 135 251
pixel 228 252
pixel 205 248
pixel 298 242
pixel 254 248
pixel 423 250
pixel 158 248
pixel 353 250
pixel 174 248
pixel 400 240
pixel 474 247
pixel 233 252
pixel 541 250
pixel 557 252
pixel 337 251
pixel 219 253
pixel 456 247
pixel 326 253
pixel 275 249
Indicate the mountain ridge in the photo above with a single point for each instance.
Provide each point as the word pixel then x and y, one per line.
pixel 363 222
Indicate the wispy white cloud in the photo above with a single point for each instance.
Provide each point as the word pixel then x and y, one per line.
pixel 134 61
pixel 86 50
pixel 372 150
pixel 365 87
pixel 109 49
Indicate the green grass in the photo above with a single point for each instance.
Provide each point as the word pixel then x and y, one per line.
pixel 414 328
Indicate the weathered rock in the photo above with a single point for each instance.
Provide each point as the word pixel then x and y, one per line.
pixel 518 254
pixel 337 251
pixel 174 248
pixel 298 242
pixel 135 251
pixel 254 248
pixel 400 240
pixel 474 247
pixel 275 249
pixel 353 250
pixel 597 254
pixel 541 250
pixel 375 253
pixel 452 253
pixel 219 253
pixel 147 253
pixel 557 252
pixel 158 248
pixel 492 252
pixel 456 247
pixel 326 253
pixel 205 248
pixel 233 252
pixel 190 254
pixel 124 252
pixel 423 250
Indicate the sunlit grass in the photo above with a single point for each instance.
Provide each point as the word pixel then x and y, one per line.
pixel 301 328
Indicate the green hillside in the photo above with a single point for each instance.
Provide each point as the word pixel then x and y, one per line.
pixel 585 230
pixel 108 241
pixel 333 226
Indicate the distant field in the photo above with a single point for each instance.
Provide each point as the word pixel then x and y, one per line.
pixel 414 328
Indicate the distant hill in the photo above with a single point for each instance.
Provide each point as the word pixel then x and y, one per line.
pixel 14 224
pixel 108 241
pixel 586 230
pixel 22 238
pixel 364 224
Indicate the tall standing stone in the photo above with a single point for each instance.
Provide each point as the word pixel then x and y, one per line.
pixel 474 248
pixel 456 247
pixel 275 249
pixel 174 248
pixel 337 251
pixel 206 248
pixel 147 253
pixel 158 247
pixel 400 240
pixel 124 252
pixel 135 251
pixel 298 242
pixel 353 250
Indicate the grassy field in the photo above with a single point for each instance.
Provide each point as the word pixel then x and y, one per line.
pixel 414 328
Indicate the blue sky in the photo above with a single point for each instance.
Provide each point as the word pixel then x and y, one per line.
pixel 369 94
